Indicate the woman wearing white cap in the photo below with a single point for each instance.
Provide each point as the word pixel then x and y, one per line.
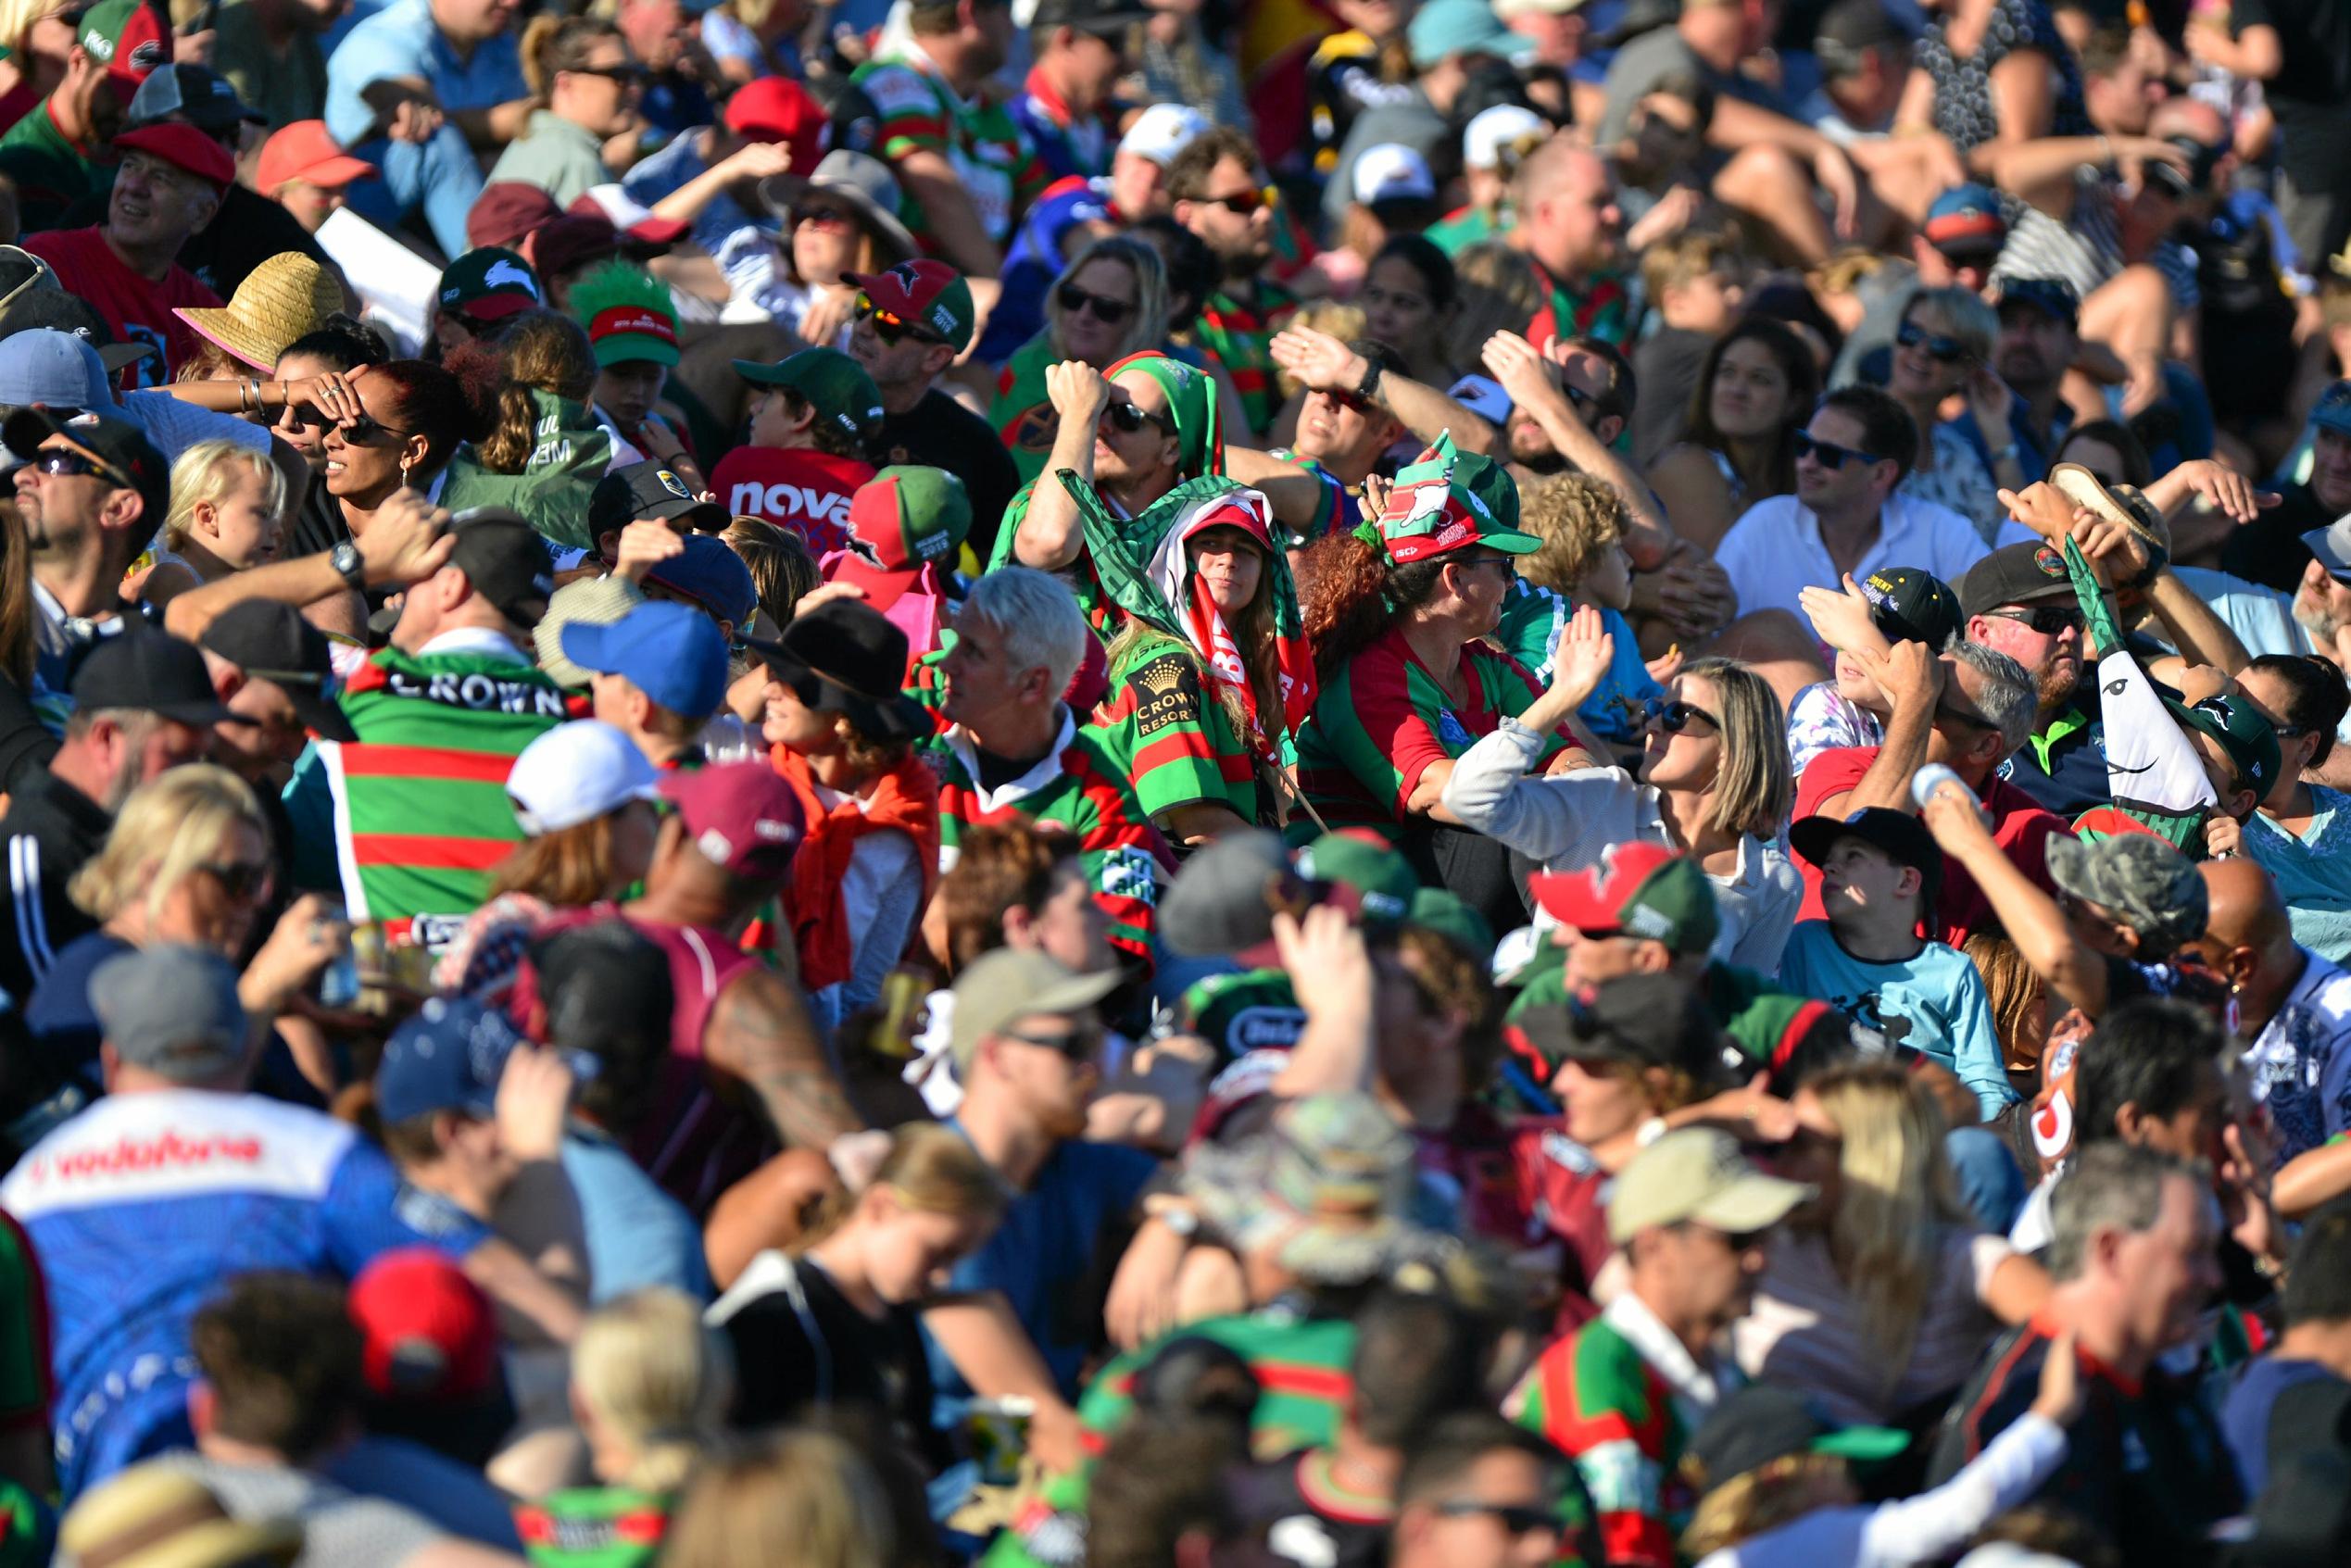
pixel 583 793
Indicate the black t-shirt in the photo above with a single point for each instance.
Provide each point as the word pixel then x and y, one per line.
pixel 2315 78
pixel 1305 1521
pixel 942 433
pixel 2270 550
pixel 800 1342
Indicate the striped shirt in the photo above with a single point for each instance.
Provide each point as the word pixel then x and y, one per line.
pixel 2086 248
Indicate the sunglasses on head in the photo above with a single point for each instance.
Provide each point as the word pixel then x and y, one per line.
pixel 890 327
pixel 1242 203
pixel 1127 419
pixel 1108 312
pixel 1828 455
pixel 1675 716
pixel 1939 347
pixel 1515 1518
pixel 2050 621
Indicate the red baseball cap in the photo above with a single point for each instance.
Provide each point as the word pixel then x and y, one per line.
pixel 775 109
pixel 743 817
pixel 507 212
pixel 1644 890
pixel 430 1334
pixel 928 295
pixel 183 147
pixel 303 151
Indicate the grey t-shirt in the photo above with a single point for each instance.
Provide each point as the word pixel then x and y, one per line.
pixel 1652 57
pixel 341 1529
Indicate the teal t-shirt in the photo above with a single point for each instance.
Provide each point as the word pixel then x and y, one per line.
pixel 1934 1003
pixel 2312 871
pixel 1532 621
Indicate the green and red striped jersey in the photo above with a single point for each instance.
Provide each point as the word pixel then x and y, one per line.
pixel 1101 614
pixel 1600 1401
pixel 1599 309
pixel 1383 719
pixel 992 156
pixel 1241 334
pixel 1076 786
pixel 415 812
pixel 594 1528
pixel 1165 729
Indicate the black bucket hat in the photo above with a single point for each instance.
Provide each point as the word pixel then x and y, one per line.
pixel 849 657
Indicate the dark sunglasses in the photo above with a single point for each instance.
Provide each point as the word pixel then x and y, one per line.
pixel 1349 401
pixel 1945 349
pixel 1079 1045
pixel 890 327
pixel 2050 621
pixel 1828 455
pixel 367 428
pixel 1674 717
pixel 627 75
pixel 1127 419
pixel 1245 203
pixel 1946 713
pixel 1509 566
pixel 820 215
pixel 1108 312
pixel 67 464
pixel 1515 1518
pixel 240 879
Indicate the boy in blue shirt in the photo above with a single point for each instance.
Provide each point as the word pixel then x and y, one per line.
pixel 1879 875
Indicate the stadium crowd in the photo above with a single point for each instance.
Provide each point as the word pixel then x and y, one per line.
pixel 1174 784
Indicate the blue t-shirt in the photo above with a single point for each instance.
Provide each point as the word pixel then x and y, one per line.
pixel 664 173
pixel 2244 1419
pixel 637 1234
pixel 402 39
pixel 1046 1258
pixel 139 1209
pixel 1934 1003
pixel 2312 871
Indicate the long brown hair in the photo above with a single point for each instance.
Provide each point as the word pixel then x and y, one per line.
pixel 1349 594
pixel 541 351
pixel 570 868
pixel 17 646
pixel 1778 476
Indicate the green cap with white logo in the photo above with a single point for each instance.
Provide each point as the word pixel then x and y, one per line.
pixel 835 386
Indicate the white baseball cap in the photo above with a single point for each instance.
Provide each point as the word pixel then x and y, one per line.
pixel 1163 131
pixel 576 773
pixel 1482 141
pixel 1392 172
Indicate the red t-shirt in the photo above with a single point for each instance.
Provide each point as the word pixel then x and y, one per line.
pixel 805 491
pixel 135 310
pixel 2019 825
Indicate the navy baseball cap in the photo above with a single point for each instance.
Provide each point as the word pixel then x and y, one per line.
pixel 448 1057
pixel 2054 297
pixel 2333 408
pixel 670 652
pixel 712 576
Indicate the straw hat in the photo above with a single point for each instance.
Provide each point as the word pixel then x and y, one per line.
pixel 154 1517
pixel 287 297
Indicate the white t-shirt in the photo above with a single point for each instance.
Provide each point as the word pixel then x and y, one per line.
pixel 1774 552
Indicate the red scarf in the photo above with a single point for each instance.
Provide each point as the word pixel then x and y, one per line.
pixel 906 800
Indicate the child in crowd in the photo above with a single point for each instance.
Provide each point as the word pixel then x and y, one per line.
pixel 227 504
pixel 1894 603
pixel 1879 874
pixel 1581 523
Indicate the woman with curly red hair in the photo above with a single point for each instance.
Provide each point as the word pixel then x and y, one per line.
pixel 1397 612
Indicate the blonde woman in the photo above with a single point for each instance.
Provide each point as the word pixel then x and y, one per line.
pixel 1109 303
pixel 794 1500
pixel 833 1322
pixel 227 506
pixel 188 860
pixel 1878 1294
pixel 1713 783
pixel 40 43
pixel 649 1390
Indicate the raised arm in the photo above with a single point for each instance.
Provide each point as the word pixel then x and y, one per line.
pixel 1534 384
pixel 2032 920
pixel 1912 680
pixel 760 1033
pixel 1323 363
pixel 407 543
pixel 1052 533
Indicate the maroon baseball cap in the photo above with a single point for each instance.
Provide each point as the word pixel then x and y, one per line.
pixel 742 817
pixel 183 147
pixel 507 212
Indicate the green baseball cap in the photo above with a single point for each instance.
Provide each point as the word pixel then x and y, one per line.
pixel 1440 910
pixel 1447 501
pixel 909 516
pixel 1374 870
pixel 2244 733
pixel 489 285
pixel 835 386
pixel 1255 1010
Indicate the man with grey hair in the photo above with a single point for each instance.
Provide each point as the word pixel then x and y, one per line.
pixel 2133 1264
pixel 1012 746
pixel 1968 709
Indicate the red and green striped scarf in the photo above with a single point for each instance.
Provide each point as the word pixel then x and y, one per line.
pixel 421 809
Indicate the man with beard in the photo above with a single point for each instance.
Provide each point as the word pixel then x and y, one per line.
pixel 92 495
pixel 1219 196
pixel 1568 226
pixel 967 168
pixel 50 152
pixel 2038 339
pixel 2019 599
pixel 2270 550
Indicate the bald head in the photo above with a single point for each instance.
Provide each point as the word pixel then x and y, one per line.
pixel 2246 911
pixel 1550 165
pixel 1568 214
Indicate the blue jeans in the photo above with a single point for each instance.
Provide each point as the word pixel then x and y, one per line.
pixel 440 174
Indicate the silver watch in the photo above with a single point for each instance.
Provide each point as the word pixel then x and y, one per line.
pixel 345 559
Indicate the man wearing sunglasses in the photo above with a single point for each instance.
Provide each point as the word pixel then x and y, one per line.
pixel 2019 599
pixel 1219 196
pixel 1080 49
pixel 1478 1492
pixel 93 495
pixel 1692 1218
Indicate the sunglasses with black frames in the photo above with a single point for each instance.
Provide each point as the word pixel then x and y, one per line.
pixel 1828 455
pixel 1675 716
pixel 890 327
pixel 1127 418
pixel 1940 347
pixel 2050 621
pixel 1108 312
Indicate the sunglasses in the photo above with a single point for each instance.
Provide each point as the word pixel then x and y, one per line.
pixel 1515 1518
pixel 1108 312
pixel 2050 621
pixel 1828 455
pixel 1242 203
pixel 1079 1045
pixel 626 76
pixel 68 464
pixel 831 217
pixel 1674 717
pixel 240 879
pixel 366 429
pixel 890 327
pixel 1509 567
pixel 1127 419
pixel 1946 350
pixel 1946 713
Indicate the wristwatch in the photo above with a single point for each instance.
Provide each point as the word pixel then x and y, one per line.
pixel 1368 388
pixel 344 558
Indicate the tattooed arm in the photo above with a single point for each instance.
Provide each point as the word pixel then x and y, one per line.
pixel 761 1032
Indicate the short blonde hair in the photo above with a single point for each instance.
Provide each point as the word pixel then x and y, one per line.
pixel 207 471
pixel 657 1378
pixel 167 828
pixel 1738 1508
pixel 1577 517
pixel 1688 257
